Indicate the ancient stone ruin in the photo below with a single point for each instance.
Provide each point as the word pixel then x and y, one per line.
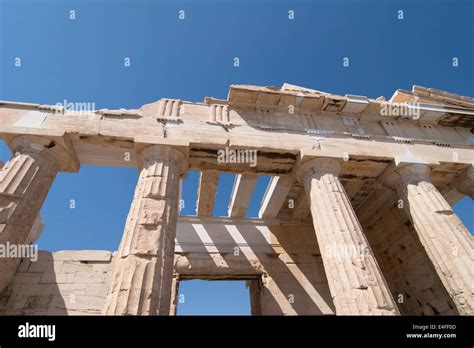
pixel 356 218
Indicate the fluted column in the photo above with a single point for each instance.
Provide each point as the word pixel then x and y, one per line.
pixel 24 183
pixel 143 267
pixel 356 283
pixel 446 240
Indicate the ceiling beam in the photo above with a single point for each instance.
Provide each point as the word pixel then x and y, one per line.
pixel 241 194
pixel 207 192
pixel 275 196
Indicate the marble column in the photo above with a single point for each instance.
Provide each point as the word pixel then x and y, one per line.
pixel 24 183
pixel 446 240
pixel 356 283
pixel 143 266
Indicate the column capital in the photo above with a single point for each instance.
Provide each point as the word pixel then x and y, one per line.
pixel 407 173
pixel 318 167
pixel 57 149
pixel 159 152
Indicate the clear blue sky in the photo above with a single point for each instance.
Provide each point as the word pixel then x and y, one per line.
pixel 82 60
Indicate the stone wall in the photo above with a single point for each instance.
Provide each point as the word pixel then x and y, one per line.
pixel 282 264
pixel 295 285
pixel 59 283
pixel 279 284
pixel 407 268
